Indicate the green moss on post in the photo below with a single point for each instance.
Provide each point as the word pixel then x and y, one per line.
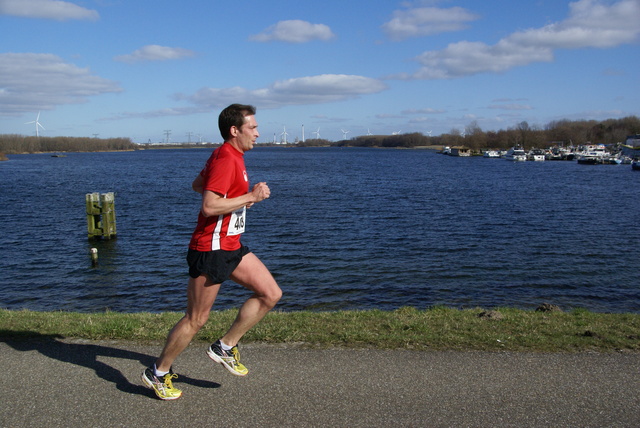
pixel 101 215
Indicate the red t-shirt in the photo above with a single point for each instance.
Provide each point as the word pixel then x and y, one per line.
pixel 225 174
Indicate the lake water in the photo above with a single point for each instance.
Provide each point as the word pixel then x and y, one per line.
pixel 345 228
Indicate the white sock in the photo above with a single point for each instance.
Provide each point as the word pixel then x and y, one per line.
pixel 225 347
pixel 158 372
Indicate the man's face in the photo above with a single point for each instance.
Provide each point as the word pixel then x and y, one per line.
pixel 247 135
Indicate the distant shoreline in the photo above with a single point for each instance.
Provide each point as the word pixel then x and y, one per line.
pixel 211 146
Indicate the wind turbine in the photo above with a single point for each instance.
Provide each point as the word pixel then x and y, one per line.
pixel 396 133
pixel 284 134
pixel 429 133
pixel 317 134
pixel 344 133
pixel 369 132
pixel 37 122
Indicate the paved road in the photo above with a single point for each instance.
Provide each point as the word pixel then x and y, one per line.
pixel 72 383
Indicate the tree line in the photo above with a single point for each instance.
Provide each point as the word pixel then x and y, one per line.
pixel 14 143
pixel 560 132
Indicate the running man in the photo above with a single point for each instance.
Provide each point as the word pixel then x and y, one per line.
pixel 216 254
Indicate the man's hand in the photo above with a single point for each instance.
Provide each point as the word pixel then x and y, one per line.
pixel 260 192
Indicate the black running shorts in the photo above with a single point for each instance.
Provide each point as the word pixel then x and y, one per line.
pixel 218 265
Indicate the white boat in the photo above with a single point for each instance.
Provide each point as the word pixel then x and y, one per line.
pixel 613 160
pixel 617 159
pixel 491 154
pixel 592 155
pixel 516 154
pixel 536 155
pixel 626 160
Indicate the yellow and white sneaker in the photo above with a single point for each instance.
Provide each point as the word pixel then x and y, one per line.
pixel 229 359
pixel 163 387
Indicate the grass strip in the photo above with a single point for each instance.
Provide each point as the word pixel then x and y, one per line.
pixel 438 328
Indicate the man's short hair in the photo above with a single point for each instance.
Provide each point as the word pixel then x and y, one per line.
pixel 233 116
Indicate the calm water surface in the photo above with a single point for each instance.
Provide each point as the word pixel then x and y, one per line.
pixel 343 229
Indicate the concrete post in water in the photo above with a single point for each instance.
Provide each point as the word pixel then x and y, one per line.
pixel 94 256
pixel 107 201
pixel 101 215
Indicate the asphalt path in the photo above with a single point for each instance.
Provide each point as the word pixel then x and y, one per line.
pixel 76 383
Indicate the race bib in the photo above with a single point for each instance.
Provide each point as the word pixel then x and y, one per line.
pixel 236 223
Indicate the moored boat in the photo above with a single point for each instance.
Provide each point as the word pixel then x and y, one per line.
pixel 516 154
pixel 593 155
pixel 536 155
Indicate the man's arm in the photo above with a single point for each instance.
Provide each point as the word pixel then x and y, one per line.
pixel 214 204
pixel 198 184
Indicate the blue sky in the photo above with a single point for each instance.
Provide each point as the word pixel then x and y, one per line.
pixel 122 68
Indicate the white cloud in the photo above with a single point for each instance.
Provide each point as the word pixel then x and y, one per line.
pixel 294 31
pixel 422 111
pixel 155 53
pixel 591 24
pixel 425 21
pixel 467 58
pixel 512 107
pixel 33 82
pixel 165 112
pixel 592 115
pixel 507 100
pixel 421 119
pixel 47 9
pixel 299 91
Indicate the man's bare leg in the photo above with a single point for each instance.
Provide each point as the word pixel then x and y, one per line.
pixel 201 294
pixel 253 275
